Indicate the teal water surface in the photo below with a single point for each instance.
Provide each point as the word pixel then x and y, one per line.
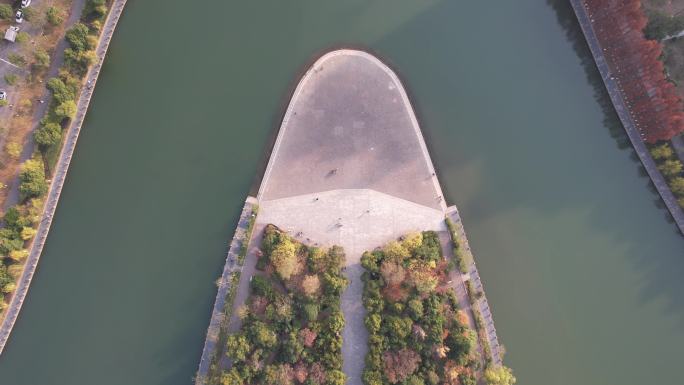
pixel 582 269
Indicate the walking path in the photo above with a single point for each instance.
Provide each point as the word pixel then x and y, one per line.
pixel 224 284
pixel 56 61
pixel 613 86
pixel 482 305
pixel 60 175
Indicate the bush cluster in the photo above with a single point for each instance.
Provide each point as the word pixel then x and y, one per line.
pixel 671 168
pixel 417 334
pixel 292 321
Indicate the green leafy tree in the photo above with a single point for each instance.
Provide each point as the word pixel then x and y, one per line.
pixel 66 109
pixel 237 347
pixel 670 168
pixel 60 91
pixel 284 259
pixel 6 11
pixel 499 375
pixel 262 335
pixel 54 16
pixel 677 185
pixel 48 134
pixel 17 59
pixel 78 61
pixel 336 377
pixel 77 36
pixel 663 151
pixel 22 37
pixel 29 13
pixel 96 9
pixel 42 59
pixel 32 179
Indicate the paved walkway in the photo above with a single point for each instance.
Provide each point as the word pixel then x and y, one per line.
pixel 626 117
pixel 56 61
pixel 482 305
pixel 53 194
pixel 224 284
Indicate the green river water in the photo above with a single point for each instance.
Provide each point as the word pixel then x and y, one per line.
pixel 581 266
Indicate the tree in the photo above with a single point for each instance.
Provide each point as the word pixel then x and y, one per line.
pixel 19 255
pixel 13 149
pixel 60 92
pixel 66 109
pixel 22 37
pixel 29 13
pixel 284 259
pixel 262 335
pixel 78 61
pixel 6 11
pixel 11 79
pixel 499 375
pixel 54 16
pixel 96 8
pixel 311 285
pixel 663 151
pixel 661 25
pixel 237 347
pixel 398 328
pixel 77 36
pixel 232 377
pixel 412 241
pixel 42 59
pixel 48 135
pixel 392 272
pixel 677 185
pixel 17 59
pixel 307 337
pixel 670 168
pixel 399 365
pixel 32 179
pixel 336 377
pixel 28 233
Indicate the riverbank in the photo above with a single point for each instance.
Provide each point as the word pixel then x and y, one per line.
pixel 624 114
pixel 470 279
pixel 59 174
pixel 223 304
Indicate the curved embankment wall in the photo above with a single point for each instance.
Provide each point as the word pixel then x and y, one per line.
pixel 60 175
pixel 623 112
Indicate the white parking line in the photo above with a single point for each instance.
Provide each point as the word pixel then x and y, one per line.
pixel 13 65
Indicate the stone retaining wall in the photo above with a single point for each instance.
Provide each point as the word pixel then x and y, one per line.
pixel 612 86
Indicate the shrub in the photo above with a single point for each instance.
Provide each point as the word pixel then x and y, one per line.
pixel 11 79
pixel 54 16
pixel 6 11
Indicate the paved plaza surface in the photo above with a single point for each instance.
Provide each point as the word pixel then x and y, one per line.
pixel 350 167
pixel 350 125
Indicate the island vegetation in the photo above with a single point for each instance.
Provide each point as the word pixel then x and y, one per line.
pixel 417 334
pixel 291 324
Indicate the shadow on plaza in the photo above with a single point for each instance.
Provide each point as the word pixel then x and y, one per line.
pixel 663 270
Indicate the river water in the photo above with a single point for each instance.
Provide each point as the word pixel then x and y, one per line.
pixel 581 266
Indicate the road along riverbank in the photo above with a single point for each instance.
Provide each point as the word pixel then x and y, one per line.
pixel 60 174
pixel 349 167
pixel 226 290
pixel 624 113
